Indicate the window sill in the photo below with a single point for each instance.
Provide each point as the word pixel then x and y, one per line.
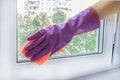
pixel 62 68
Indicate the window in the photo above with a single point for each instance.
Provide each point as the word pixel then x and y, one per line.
pixel 59 3
pixel 85 44
pixel 54 69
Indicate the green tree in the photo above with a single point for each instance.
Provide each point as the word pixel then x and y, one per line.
pixel 58 17
pixel 41 20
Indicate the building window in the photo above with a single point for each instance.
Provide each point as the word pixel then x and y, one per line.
pixel 59 3
pixel 85 44
pixel 54 9
pixel 42 3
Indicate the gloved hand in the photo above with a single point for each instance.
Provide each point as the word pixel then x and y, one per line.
pixel 40 60
pixel 57 36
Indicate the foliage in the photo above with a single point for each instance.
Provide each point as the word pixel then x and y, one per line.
pixel 41 20
pixel 28 24
pixel 58 17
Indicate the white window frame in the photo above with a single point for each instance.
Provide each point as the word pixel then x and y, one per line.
pixel 116 53
pixel 53 69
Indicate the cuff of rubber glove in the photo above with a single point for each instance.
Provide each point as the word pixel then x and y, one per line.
pixel 93 16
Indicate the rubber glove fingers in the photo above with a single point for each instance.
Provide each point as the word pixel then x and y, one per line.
pixel 36 35
pixel 39 41
pixel 38 61
pixel 23 50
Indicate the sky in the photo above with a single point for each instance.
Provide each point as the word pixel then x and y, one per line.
pixel 77 5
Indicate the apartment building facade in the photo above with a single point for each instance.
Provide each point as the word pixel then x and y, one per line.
pixel 49 6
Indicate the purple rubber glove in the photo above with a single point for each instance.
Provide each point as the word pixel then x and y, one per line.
pixel 58 36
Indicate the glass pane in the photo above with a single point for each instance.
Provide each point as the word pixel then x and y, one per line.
pixel 33 15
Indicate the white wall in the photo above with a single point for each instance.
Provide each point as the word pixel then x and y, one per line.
pixel 7 9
